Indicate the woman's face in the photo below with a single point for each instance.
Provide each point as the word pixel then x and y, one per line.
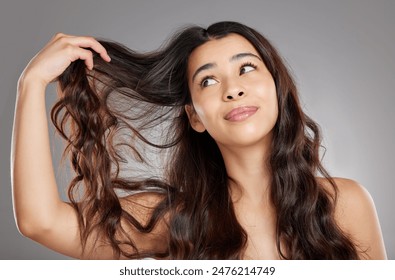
pixel 233 93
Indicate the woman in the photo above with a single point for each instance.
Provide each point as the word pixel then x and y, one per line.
pixel 241 181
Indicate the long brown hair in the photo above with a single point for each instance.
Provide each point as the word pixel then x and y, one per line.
pixel 137 92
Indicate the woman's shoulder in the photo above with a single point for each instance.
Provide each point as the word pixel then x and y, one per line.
pixel 142 207
pixel 344 185
pixel 350 193
pixel 355 214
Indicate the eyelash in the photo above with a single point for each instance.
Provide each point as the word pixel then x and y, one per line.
pixel 248 64
pixel 212 77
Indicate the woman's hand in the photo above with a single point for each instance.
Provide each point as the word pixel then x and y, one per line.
pixel 58 54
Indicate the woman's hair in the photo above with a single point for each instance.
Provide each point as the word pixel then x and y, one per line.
pixel 115 111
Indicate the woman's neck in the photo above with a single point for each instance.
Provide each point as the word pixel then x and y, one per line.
pixel 249 170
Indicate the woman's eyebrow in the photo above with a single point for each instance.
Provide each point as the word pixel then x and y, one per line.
pixel 235 57
pixel 202 68
pixel 242 55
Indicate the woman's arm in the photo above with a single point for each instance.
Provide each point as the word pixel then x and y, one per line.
pixel 356 215
pixel 40 213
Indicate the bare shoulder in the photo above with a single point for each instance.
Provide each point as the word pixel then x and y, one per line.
pixel 355 213
pixel 138 210
pixel 142 207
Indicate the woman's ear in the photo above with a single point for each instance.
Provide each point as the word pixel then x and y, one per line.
pixel 194 119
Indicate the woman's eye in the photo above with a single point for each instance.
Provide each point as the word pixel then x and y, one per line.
pixel 246 69
pixel 208 82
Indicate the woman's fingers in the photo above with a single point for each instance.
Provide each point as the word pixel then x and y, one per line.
pixel 59 52
pixel 87 56
pixel 90 42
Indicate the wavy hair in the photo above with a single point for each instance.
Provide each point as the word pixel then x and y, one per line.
pixel 109 114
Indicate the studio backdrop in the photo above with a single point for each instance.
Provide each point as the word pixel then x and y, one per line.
pixel 341 54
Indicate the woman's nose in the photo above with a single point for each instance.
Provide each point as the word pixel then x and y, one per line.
pixel 233 92
pixel 234 96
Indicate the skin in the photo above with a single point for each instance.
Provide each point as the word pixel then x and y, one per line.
pixel 42 216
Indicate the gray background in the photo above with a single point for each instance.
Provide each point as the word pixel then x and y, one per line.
pixel 341 53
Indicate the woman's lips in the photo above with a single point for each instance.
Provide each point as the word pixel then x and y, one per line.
pixel 241 113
